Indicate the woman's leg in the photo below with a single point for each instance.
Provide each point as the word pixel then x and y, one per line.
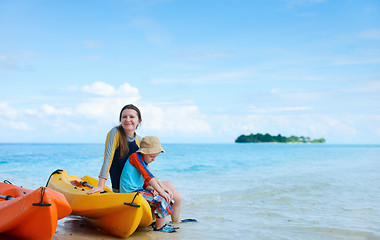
pixel 177 202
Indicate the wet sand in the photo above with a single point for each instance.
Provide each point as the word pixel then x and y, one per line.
pixel 77 228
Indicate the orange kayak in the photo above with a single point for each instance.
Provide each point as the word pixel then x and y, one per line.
pixel 30 214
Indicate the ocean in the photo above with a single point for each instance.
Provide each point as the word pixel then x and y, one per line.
pixel 235 191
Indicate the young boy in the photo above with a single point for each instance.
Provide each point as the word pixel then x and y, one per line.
pixel 135 173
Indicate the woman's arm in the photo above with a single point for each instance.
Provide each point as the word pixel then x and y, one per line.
pixel 112 142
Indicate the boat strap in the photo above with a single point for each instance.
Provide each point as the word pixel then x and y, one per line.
pixel 42 204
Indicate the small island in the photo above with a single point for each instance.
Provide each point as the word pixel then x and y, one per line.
pixel 267 138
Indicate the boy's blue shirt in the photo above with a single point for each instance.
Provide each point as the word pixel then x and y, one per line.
pixel 134 173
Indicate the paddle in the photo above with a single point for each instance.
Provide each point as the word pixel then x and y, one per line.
pixel 9 197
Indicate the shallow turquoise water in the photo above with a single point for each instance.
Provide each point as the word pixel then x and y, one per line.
pixel 261 191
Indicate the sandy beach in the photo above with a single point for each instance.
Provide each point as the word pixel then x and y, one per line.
pixel 77 228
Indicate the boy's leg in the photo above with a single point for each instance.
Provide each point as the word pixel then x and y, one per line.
pixel 160 222
pixel 177 202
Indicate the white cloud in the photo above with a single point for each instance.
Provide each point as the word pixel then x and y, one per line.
pixel 7 111
pixel 32 112
pixel 106 105
pixel 127 90
pixel 10 118
pixel 181 121
pixel 16 125
pixel 107 90
pixel 99 88
pixel 51 110
pixel 176 119
pixel 103 108
pixel 96 109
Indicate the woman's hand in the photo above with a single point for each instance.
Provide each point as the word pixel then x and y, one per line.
pixel 95 190
pixel 99 188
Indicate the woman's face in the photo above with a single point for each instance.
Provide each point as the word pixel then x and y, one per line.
pixel 129 120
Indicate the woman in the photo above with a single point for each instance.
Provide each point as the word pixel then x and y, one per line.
pixel 121 142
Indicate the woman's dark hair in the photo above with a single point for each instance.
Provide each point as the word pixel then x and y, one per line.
pixel 123 142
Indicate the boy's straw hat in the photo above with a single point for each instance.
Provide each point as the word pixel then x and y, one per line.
pixel 150 145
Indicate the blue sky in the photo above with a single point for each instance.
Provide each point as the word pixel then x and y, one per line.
pixel 200 71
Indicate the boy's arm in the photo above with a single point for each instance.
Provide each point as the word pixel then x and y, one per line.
pixel 166 189
pixel 151 190
pixel 157 186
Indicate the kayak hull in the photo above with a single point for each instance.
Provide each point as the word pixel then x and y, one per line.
pixel 119 214
pixel 31 214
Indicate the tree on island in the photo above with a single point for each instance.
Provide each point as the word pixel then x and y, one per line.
pixel 255 138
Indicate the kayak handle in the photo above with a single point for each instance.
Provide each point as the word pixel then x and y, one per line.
pixel 9 197
pixel 42 204
pixel 85 184
pixel 131 203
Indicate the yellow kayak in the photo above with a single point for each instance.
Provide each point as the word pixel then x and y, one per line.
pixel 116 213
